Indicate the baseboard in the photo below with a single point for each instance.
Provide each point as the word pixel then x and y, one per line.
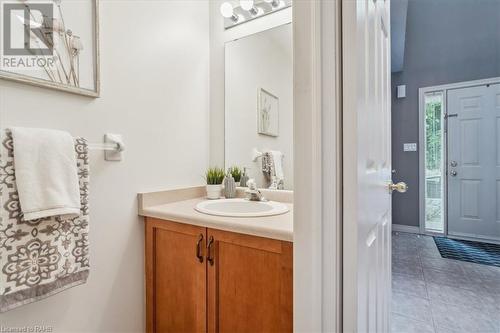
pixel 406 228
pixel 474 239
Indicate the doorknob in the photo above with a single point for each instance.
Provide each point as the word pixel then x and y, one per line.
pixel 453 173
pixel 453 163
pixel 401 187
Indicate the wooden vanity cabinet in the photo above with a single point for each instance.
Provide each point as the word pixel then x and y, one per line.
pixel 175 278
pixel 249 284
pixel 243 283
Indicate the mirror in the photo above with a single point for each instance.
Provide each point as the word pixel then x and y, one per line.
pixel 259 106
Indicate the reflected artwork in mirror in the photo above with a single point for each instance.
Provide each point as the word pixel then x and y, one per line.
pixel 259 106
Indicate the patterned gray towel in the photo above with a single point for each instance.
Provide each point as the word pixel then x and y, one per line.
pixel 267 165
pixel 42 257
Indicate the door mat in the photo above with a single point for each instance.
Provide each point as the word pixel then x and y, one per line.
pixel 476 252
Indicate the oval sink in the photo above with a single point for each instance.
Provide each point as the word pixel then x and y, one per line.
pixel 241 208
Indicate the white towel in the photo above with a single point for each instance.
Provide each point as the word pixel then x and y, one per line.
pixel 46 173
pixel 278 164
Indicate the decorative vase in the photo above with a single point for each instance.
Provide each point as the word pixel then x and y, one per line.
pixel 214 191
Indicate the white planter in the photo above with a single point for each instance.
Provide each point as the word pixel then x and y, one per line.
pixel 214 191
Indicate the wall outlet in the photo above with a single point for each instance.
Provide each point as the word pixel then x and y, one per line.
pixel 410 147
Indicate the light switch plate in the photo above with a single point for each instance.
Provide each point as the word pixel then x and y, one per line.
pixel 401 91
pixel 409 147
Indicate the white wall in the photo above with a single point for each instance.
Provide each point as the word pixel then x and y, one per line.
pixel 262 60
pixel 155 69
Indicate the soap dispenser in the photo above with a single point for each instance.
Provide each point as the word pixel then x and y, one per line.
pixel 229 185
pixel 244 178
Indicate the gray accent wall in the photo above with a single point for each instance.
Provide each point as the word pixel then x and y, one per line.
pixel 446 41
pixel 399 9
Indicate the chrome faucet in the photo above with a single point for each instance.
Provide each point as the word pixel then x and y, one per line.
pixel 253 194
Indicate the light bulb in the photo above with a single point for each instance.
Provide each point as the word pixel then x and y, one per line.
pixel 226 9
pixel 246 4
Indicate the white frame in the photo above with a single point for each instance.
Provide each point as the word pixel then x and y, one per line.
pixel 317 167
pixel 421 139
pixel 37 82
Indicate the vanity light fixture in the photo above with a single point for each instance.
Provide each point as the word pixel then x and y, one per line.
pixel 248 5
pixel 227 10
pixel 274 3
pixel 236 12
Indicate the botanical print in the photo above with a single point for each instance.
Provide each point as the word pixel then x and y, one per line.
pixel 67 47
pixel 41 257
pixel 63 44
pixel 268 113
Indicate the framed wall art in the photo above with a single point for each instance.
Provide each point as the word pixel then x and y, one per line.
pixel 52 44
pixel 268 113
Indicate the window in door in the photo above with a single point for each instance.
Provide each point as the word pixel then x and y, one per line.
pixel 434 156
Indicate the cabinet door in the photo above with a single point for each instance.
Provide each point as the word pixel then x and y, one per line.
pixel 249 283
pixel 175 277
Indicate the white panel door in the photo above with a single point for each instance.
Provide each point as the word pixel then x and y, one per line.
pixel 474 162
pixel 367 165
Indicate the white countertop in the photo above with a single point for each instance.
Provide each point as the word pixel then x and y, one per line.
pixel 183 211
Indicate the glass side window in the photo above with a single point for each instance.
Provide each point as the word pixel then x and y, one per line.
pixel 434 139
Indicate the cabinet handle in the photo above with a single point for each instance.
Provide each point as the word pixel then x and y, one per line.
pixel 199 255
pixel 210 259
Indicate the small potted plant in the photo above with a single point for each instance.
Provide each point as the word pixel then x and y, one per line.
pixel 236 173
pixel 214 178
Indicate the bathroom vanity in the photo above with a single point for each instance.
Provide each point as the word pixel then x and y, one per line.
pixel 216 273
pixel 226 265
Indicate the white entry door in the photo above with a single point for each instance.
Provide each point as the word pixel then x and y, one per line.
pixel 367 165
pixel 474 162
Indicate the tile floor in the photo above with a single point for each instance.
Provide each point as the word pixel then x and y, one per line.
pixel 433 294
